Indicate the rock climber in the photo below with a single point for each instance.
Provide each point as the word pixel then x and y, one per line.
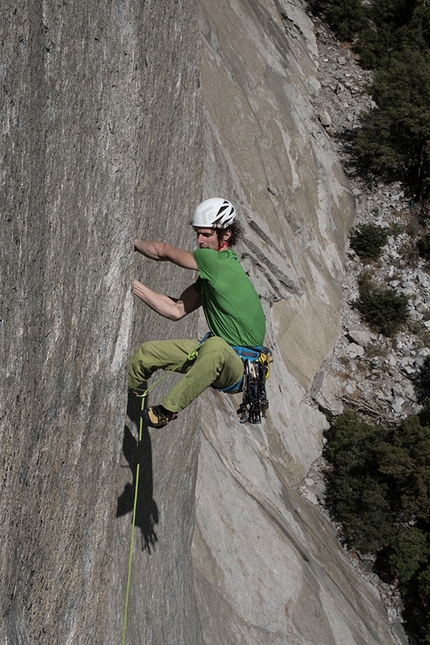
pixel 230 303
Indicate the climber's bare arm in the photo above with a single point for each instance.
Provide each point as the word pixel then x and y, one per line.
pixel 161 251
pixel 171 308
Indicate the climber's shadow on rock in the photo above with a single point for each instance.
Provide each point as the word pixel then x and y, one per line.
pixel 146 510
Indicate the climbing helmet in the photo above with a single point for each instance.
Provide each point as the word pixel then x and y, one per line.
pixel 214 213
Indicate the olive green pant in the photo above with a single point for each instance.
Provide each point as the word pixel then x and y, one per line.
pixel 216 364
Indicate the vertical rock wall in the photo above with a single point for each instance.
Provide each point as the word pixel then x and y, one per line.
pixel 100 143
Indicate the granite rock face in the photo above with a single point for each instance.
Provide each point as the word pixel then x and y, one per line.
pixel 269 568
pixel 101 123
pixel 106 136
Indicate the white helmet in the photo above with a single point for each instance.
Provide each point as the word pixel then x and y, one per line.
pixel 214 213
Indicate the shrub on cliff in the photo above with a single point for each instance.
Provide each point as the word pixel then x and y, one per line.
pixel 367 241
pixel 422 385
pixel 382 309
pixel 380 478
pixel 377 28
pixel 354 496
pixel 391 27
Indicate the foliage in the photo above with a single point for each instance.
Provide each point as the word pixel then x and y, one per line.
pixel 351 492
pixel 367 241
pixel 424 415
pixel 424 246
pixel 378 489
pixel 377 28
pixel 393 139
pixel 422 382
pixel 345 17
pixel 392 26
pixel 383 310
pixel 405 458
pixel 408 551
pixel 391 37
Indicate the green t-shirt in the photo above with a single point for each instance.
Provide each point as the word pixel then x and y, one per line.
pixel 232 307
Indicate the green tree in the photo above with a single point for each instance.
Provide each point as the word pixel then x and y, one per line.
pixel 424 246
pixel 394 138
pixel 409 558
pixel 345 17
pixel 404 458
pixel 355 496
pixel 392 37
pixel 409 552
pixel 383 34
pixel 424 415
pixel 378 487
pixel 407 23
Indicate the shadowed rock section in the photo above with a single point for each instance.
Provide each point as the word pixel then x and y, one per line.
pixel 101 122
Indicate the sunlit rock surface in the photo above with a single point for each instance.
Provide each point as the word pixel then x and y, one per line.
pixel 269 569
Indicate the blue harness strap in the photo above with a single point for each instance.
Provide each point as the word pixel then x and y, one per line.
pixel 250 354
pixel 232 389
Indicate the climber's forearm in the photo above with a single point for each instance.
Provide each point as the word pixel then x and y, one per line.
pixel 164 305
pixel 161 251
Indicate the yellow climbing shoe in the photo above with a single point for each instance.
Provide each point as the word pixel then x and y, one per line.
pixel 157 416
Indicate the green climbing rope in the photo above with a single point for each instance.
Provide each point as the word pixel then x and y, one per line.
pixel 133 523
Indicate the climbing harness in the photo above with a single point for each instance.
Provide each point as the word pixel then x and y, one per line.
pixel 256 371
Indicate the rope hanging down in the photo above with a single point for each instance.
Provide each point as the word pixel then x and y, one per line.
pixel 143 396
pixel 133 523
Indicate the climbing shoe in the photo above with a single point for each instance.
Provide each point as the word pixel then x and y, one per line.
pixel 157 416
